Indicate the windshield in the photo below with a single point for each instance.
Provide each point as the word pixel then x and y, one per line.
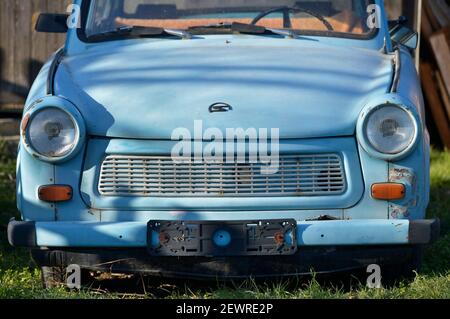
pixel 319 17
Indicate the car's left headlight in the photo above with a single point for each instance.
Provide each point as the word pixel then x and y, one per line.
pixel 388 131
pixel 52 132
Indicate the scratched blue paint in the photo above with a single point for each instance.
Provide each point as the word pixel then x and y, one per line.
pixel 134 234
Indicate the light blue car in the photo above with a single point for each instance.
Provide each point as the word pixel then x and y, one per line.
pixel 225 139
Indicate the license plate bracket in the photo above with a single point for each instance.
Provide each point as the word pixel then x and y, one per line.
pixel 222 238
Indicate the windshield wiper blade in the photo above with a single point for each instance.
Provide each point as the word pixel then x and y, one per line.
pixel 284 32
pixel 137 31
pixel 256 29
pixel 154 31
pixel 221 25
pixel 183 34
pixel 246 29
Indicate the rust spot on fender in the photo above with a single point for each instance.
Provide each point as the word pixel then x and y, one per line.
pixel 24 124
pixel 397 211
pixel 399 174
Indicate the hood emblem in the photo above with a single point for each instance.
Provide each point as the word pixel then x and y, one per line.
pixel 220 108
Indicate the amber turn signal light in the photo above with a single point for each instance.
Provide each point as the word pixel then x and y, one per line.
pixel 388 191
pixel 55 193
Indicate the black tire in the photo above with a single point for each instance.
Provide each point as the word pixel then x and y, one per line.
pixel 55 277
pixel 394 274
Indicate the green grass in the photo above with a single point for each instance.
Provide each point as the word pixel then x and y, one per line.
pixel 19 277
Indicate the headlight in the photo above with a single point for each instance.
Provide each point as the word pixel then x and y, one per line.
pixel 53 130
pixel 52 133
pixel 388 131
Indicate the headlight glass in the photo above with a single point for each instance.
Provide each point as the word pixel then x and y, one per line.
pixel 52 133
pixel 390 129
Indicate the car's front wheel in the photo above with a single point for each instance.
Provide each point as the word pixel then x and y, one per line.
pixel 55 277
pixel 393 274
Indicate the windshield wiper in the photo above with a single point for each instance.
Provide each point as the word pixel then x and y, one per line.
pixel 142 32
pixel 256 29
pixel 245 28
pixel 221 25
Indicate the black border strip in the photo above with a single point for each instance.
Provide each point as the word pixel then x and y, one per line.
pixel 176 308
pixel 397 69
pixel 52 71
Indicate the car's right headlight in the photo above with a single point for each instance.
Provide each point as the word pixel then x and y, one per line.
pixel 52 131
pixel 389 130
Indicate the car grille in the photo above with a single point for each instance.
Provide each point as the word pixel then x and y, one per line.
pixel 159 176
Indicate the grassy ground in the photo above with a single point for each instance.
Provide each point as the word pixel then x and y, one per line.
pixel 19 278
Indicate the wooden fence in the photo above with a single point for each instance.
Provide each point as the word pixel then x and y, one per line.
pixel 22 50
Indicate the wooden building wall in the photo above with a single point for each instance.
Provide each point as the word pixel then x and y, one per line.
pixel 22 50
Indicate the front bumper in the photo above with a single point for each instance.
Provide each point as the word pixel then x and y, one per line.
pixel 309 233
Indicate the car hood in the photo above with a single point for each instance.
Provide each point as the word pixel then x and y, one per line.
pixel 147 89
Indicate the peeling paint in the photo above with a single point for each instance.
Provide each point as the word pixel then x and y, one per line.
pixel 398 212
pixel 398 174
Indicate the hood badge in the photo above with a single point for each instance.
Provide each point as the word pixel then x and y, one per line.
pixel 220 108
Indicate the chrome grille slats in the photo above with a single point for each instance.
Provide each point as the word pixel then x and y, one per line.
pixel 159 176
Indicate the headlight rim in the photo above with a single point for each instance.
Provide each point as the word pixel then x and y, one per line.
pixel 362 129
pixel 60 104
